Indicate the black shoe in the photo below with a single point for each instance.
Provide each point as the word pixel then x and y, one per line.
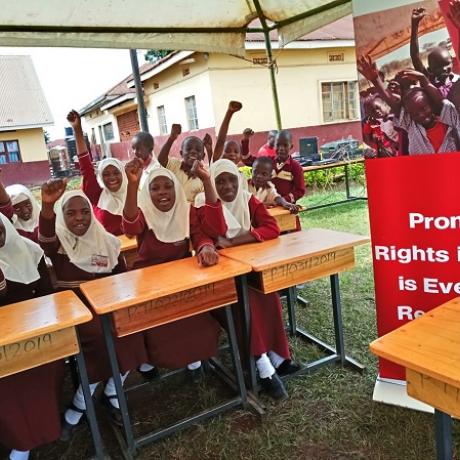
pixel 274 387
pixel 149 375
pixel 194 376
pixel 67 429
pixel 287 367
pixel 114 413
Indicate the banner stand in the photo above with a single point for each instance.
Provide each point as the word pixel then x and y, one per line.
pixel 390 391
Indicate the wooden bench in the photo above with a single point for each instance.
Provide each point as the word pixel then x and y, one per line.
pixel 297 258
pixel 429 348
pixel 160 294
pixel 42 330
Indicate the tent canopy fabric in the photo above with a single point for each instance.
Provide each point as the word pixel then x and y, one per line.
pixel 205 25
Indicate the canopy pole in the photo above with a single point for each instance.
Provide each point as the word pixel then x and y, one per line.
pixel 271 64
pixel 141 112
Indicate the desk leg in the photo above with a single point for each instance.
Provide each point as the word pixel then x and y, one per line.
pixel 347 182
pixel 443 435
pixel 291 297
pixel 337 313
pixel 90 412
pixel 107 328
pixel 236 356
pixel 243 297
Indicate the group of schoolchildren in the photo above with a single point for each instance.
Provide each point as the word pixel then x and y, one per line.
pixel 168 204
pixel 417 111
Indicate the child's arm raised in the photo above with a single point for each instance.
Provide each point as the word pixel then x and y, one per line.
pixel 368 69
pixel 247 158
pixel 454 16
pixel 89 185
pixel 202 173
pixel 207 143
pixel 233 107
pixel 133 169
pixel 417 15
pixel 6 207
pixel 163 156
pixel 51 192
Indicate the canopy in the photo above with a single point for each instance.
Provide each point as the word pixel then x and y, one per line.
pixel 204 25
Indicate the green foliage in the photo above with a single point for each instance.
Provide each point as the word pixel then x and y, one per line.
pixel 326 178
pixel 247 171
pixel 154 55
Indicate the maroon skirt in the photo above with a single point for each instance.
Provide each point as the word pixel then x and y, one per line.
pixel 174 345
pixel 29 407
pixel 131 351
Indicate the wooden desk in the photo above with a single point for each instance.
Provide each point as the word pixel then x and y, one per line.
pixel 42 330
pixel 296 258
pixel 160 294
pixel 287 222
pixel 429 349
pixel 128 249
pixel 338 164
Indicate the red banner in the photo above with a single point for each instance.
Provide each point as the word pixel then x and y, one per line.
pixel 414 207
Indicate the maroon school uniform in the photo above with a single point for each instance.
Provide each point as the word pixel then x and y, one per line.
pixel 29 400
pixel 267 326
pixel 289 180
pixel 91 188
pixel 176 344
pixel 130 349
pixel 7 210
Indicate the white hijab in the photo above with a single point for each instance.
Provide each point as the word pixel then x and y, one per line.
pixel 236 212
pixel 19 257
pixel 19 193
pixel 96 251
pixel 112 202
pixel 170 226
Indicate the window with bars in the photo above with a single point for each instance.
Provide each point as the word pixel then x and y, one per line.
pixel 162 119
pixel 339 100
pixel 9 152
pixel 192 115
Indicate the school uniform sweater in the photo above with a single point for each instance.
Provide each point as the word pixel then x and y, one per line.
pixel 7 210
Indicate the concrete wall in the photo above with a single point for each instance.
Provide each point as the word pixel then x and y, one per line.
pixel 28 174
pixel 173 88
pixel 299 76
pixel 31 143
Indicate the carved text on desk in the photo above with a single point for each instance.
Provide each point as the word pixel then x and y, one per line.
pixel 175 306
pixel 307 269
pixel 45 348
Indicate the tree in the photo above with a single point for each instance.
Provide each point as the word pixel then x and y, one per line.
pixel 154 55
pixel 47 136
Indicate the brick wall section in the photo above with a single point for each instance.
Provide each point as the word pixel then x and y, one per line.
pixel 325 133
pixel 28 174
pixel 128 125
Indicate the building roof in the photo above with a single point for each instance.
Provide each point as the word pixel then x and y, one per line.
pixel 337 33
pixel 22 101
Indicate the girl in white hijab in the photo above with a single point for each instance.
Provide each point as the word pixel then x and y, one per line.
pixel 106 190
pixel 247 221
pixel 26 210
pixel 164 222
pixel 81 250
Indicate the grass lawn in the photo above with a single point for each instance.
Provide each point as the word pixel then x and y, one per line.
pixel 329 415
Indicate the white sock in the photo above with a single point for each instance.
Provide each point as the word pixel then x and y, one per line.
pixel 109 389
pixel 19 454
pixel 275 359
pixel 145 367
pixel 193 366
pixel 264 366
pixel 72 416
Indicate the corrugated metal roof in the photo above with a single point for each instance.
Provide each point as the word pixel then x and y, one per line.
pixel 22 102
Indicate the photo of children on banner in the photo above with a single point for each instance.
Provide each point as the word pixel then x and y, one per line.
pixel 412 110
